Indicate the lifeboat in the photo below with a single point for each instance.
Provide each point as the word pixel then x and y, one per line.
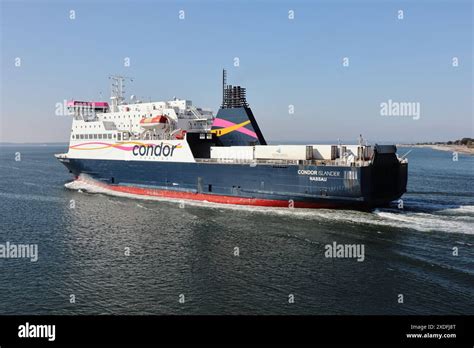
pixel 178 134
pixel 157 122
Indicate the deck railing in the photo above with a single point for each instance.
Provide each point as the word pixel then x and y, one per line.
pixel 335 163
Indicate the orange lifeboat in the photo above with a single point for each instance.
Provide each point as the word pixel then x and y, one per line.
pixel 180 135
pixel 154 122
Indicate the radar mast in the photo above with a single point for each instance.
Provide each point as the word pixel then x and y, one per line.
pixel 117 90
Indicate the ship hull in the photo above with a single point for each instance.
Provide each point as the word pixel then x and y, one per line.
pixel 294 186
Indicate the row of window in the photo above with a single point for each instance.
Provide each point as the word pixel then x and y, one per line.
pixel 110 117
pixel 93 136
pixel 125 116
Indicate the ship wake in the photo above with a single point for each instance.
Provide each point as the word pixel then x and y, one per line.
pixel 451 219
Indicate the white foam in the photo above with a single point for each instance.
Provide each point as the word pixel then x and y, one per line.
pixel 463 208
pixel 428 222
pixel 389 217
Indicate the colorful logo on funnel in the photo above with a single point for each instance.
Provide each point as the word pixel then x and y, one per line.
pixel 228 127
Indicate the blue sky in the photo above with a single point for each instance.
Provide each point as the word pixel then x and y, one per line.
pixel 282 62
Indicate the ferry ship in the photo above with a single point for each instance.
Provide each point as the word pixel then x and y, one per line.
pixel 175 150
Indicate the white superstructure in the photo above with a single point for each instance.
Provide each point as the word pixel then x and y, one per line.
pixel 158 131
pixel 104 127
pixel 122 121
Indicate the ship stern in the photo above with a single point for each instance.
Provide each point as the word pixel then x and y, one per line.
pixel 386 177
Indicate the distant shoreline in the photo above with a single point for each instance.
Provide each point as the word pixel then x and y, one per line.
pixel 444 147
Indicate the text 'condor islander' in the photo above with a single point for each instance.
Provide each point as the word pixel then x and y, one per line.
pixel 172 149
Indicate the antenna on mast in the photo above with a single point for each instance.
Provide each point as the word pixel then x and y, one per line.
pixel 118 90
pixel 224 85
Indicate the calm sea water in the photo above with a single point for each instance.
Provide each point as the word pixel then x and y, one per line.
pixel 190 250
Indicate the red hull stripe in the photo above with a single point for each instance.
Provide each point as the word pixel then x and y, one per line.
pixel 215 198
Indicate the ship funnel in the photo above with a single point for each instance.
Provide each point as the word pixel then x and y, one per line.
pixel 235 124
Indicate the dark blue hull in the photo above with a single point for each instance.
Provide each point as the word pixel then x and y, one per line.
pixel 264 184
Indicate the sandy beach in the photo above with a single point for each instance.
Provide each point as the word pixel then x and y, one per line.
pixel 451 148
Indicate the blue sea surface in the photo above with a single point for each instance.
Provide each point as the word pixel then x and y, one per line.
pixel 424 252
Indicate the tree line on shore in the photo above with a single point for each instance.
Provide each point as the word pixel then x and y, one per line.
pixel 469 142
